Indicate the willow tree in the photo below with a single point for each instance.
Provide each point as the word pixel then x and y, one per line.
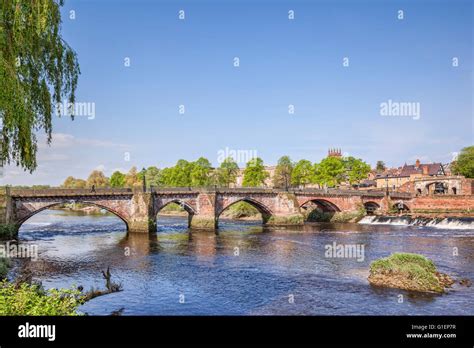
pixel 38 70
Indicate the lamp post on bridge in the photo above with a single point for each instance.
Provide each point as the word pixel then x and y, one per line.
pixel 144 179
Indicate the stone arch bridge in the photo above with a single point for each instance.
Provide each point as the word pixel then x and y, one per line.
pixel 139 209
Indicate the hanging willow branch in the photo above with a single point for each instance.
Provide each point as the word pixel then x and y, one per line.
pixel 38 70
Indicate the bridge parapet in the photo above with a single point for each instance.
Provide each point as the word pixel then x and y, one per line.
pixel 340 193
pixel 60 192
pixel 400 195
pixel 112 191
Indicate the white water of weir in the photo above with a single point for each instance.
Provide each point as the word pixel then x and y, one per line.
pixel 446 223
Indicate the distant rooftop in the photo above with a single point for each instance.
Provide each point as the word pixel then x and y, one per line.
pixel 422 168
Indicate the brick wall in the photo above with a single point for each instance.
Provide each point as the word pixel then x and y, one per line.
pixel 444 203
pixel 467 187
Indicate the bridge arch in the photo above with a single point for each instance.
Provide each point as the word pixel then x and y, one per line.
pixel 183 204
pixel 371 207
pixel 400 206
pixel 264 211
pixel 323 204
pixel 21 220
pixel 436 187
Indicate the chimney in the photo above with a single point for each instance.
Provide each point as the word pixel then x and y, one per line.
pixel 417 163
pixel 425 170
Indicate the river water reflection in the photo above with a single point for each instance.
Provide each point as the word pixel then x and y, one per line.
pixel 245 269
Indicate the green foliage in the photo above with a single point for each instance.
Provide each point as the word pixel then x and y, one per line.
pixel 414 267
pixel 240 210
pixel 166 177
pixel 397 260
pixel 355 169
pixel 181 174
pixel 8 231
pixel 227 172
pixel 172 208
pixel 317 215
pixel 302 173
pixel 4 265
pixel 329 172
pixel 117 179
pixel 31 299
pixel 35 62
pixel 152 176
pixel 283 171
pixel 255 173
pixel 464 165
pixel 184 174
pixel 200 174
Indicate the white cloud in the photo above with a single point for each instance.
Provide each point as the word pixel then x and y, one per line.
pixel 63 140
pixel 67 155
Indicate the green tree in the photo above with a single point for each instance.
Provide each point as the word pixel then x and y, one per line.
pixel 227 172
pixel 283 171
pixel 302 173
pixel 166 177
pixel 117 179
pixel 255 173
pixel 98 179
pixel 355 169
pixel 181 174
pixel 152 176
pixel 201 172
pixel 464 164
pixel 37 69
pixel 329 172
pixel 380 166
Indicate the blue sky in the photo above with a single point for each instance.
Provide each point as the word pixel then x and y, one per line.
pixel 300 62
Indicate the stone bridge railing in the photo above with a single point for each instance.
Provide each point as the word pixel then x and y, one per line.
pixel 67 192
pixel 121 191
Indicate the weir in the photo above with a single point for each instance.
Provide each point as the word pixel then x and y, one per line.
pixel 455 223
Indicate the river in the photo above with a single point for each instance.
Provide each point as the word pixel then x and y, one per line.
pixel 245 269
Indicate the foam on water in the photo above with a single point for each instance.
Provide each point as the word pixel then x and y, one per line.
pixel 446 223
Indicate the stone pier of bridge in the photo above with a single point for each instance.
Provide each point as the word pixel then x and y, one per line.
pixel 276 209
